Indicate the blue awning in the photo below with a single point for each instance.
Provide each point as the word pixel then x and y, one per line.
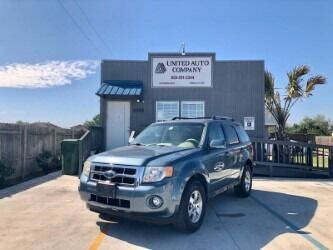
pixel 121 89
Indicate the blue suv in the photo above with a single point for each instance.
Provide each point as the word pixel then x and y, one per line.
pixel 169 171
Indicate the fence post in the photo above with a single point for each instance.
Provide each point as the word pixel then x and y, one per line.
pixel 330 162
pixel 309 156
pixel 0 147
pixel 23 150
pixel 55 142
pixel 80 158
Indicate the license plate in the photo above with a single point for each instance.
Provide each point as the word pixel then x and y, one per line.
pixel 106 189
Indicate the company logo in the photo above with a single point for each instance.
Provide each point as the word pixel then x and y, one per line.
pixel 160 68
pixel 109 174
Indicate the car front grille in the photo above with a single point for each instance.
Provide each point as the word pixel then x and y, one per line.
pixel 110 201
pixel 125 175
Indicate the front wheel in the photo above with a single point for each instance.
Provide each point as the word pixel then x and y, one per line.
pixel 192 208
pixel 243 189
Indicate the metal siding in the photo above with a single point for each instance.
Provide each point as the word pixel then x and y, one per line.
pixel 238 91
pixel 131 70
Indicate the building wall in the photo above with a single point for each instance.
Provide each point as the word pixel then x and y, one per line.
pixel 324 140
pixel 238 91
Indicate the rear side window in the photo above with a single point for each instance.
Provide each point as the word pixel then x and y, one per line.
pixel 231 134
pixel 242 134
pixel 215 133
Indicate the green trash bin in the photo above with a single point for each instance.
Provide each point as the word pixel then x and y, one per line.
pixel 70 156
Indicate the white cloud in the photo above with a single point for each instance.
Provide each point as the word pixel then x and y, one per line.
pixel 48 74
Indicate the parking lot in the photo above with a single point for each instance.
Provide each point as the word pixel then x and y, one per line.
pixel 47 213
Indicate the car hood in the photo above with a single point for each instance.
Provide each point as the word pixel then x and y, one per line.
pixel 134 155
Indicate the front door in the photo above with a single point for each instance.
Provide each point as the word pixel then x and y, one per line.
pixel 117 124
pixel 217 159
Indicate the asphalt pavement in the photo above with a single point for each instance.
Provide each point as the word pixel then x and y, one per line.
pixel 47 213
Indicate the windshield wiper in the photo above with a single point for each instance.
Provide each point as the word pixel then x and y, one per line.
pixel 138 144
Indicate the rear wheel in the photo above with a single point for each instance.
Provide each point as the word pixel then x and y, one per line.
pixel 192 207
pixel 243 189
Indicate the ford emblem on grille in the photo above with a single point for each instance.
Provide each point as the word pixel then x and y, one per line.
pixel 109 174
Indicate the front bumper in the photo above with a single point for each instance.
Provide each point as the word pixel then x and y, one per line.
pixel 137 196
pixel 155 218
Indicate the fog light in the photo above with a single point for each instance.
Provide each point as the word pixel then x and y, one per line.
pixel 155 201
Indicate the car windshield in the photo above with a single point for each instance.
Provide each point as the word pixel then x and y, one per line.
pixel 186 135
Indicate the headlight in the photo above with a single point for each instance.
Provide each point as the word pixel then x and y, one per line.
pixel 86 168
pixel 153 174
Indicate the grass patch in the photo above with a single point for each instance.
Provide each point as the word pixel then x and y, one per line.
pixel 321 160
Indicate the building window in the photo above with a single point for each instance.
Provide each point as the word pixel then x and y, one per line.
pixel 193 109
pixel 166 110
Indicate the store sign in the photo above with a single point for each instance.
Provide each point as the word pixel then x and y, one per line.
pixel 181 71
pixel 249 123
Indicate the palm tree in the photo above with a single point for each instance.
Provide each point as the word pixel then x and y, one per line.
pixel 295 91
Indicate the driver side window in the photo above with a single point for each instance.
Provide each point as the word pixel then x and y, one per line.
pixel 216 133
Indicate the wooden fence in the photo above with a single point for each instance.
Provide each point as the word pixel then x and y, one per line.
pixel 281 158
pixel 20 144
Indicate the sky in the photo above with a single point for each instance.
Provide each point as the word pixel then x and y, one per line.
pixel 50 50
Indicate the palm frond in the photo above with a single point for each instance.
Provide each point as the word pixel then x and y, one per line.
pixel 312 82
pixel 294 88
pixel 300 71
pixel 269 85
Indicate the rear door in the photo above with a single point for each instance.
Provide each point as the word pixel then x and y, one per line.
pixel 246 147
pixel 234 148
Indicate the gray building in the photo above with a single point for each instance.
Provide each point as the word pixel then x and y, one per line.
pixel 136 93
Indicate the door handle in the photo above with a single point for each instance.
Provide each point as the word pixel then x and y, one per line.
pixel 219 166
pixel 218 169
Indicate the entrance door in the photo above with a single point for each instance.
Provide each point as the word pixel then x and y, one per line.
pixel 117 124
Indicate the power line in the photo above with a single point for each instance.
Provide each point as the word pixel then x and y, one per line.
pixel 78 26
pixel 93 28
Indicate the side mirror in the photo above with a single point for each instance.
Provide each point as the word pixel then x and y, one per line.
pixel 131 137
pixel 217 144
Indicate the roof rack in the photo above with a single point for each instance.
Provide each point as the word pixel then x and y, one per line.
pixel 214 117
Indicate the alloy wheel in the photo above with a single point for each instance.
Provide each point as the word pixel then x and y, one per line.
pixel 247 181
pixel 195 206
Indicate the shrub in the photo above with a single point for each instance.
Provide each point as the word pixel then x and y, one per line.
pixel 5 172
pixel 48 162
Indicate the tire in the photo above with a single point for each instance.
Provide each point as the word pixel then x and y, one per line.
pixel 187 221
pixel 243 189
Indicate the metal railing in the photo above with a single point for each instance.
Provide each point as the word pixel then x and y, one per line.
pixel 293 155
